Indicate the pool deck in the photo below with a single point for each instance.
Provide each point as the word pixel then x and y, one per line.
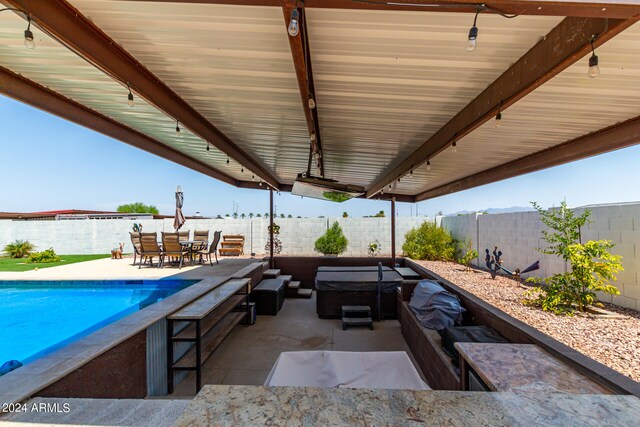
pixel 27 380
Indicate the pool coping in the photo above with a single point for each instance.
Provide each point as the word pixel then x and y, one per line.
pixel 29 379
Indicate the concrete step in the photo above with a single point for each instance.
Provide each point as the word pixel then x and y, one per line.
pixel 292 289
pixel 286 278
pixel 101 412
pixel 356 309
pixel 357 321
pixel 272 273
pixel 305 293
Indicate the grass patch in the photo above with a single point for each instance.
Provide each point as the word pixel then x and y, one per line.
pixel 20 264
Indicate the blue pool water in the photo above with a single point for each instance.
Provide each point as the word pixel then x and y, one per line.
pixel 37 317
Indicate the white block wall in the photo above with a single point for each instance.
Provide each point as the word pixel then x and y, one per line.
pixel 519 235
pixel 297 235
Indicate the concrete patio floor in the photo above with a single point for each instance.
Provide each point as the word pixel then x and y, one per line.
pixel 107 268
pixel 249 352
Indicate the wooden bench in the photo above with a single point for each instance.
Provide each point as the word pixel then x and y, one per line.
pixel 232 244
pixel 208 320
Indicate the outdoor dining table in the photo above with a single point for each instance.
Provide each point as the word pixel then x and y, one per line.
pixel 189 244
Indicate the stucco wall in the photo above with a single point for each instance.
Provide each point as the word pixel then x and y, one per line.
pixel 518 236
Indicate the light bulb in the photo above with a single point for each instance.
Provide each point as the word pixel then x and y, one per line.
pixel 454 147
pixel 428 165
pixel 207 146
pixel 227 160
pixel 312 103
pixel 473 35
pixel 179 134
pixel 594 69
pixel 498 121
pixel 294 27
pixel 313 137
pixel 28 40
pixel 130 100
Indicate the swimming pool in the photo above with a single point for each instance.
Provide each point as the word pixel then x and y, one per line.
pixel 37 317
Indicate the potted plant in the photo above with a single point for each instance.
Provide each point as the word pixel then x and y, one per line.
pixel 333 242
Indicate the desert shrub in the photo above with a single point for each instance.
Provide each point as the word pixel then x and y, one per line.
pixel 46 256
pixel 374 248
pixel 593 266
pixel 429 242
pixel 469 254
pixel 333 242
pixel 19 249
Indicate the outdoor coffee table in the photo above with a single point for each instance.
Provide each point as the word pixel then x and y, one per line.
pixel 350 369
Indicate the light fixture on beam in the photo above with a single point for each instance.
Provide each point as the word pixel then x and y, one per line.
pixel 208 146
pixel 312 102
pixel 594 69
pixel 454 146
pixel 227 160
pixel 294 21
pixel 29 43
pixel 179 134
pixel 130 101
pixel 498 121
pixel 428 165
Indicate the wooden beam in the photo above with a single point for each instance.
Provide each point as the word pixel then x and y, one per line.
pixel 74 30
pixel 31 93
pixel 563 46
pixel 616 9
pixel 621 135
pixel 304 74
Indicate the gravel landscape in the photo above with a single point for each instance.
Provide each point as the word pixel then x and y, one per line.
pixel 614 342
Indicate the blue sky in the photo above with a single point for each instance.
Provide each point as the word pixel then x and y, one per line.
pixel 49 163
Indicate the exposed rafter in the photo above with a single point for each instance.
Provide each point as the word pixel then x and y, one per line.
pixel 618 9
pixel 73 29
pixel 563 46
pixel 24 90
pixel 304 74
pixel 612 138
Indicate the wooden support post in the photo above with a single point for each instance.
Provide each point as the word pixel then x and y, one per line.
pixel 393 232
pixel 271 228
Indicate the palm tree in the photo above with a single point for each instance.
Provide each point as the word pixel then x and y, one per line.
pixel 250 214
pixel 281 215
pixel 259 216
pixel 345 215
pixel 227 215
pixel 289 216
pixel 243 216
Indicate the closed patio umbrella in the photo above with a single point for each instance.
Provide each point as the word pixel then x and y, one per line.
pixel 179 219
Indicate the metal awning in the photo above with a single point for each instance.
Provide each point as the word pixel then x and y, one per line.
pixel 393 86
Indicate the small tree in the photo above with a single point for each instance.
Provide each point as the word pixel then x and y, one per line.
pixel 374 248
pixel 592 264
pixel 379 215
pixel 469 255
pixel 333 242
pixel 345 215
pixel 137 207
pixel 277 244
pixel 19 249
pixel 429 242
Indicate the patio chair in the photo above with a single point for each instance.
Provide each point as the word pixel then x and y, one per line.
pixel 213 249
pixel 173 248
pixel 202 235
pixel 135 241
pixel 149 248
pixel 183 235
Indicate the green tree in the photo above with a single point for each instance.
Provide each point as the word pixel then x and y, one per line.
pixel 137 207
pixel 243 216
pixel 282 216
pixel 289 216
pixel 250 214
pixel 379 215
pixel 429 242
pixel 19 249
pixel 259 216
pixel 345 215
pixel 592 264
pixel 333 242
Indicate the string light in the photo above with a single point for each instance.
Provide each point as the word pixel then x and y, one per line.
pixel 473 34
pixel 242 169
pixel 130 101
pixel 498 121
pixel 227 160
pixel 312 102
pixel 28 36
pixel 208 146
pixel 454 147
pixel 428 165
pixel 179 134
pixel 294 24
pixel 594 69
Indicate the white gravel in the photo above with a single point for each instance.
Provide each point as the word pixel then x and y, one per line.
pixel 612 342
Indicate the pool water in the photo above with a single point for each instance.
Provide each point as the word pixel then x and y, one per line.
pixel 37 317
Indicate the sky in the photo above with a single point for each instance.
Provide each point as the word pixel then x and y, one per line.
pixel 48 163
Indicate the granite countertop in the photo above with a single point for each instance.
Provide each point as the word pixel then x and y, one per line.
pixel 222 405
pixel 525 367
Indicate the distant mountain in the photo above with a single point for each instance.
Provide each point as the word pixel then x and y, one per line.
pixel 495 210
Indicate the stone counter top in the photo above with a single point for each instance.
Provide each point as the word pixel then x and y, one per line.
pixel 222 405
pixel 525 367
